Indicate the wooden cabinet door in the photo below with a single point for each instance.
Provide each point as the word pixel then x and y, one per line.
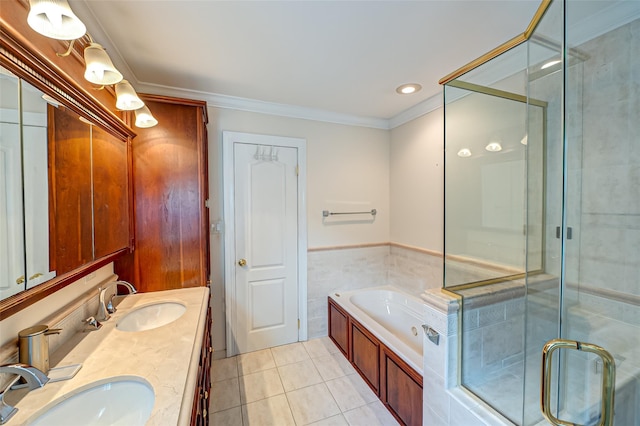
pixel 365 355
pixel 339 327
pixel 402 390
pixel 110 193
pixel 170 192
pixel 70 200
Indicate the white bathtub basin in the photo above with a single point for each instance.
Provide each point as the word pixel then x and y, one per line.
pixel 151 316
pixel 124 401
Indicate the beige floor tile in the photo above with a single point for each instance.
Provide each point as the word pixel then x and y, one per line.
pixel 312 404
pixel 260 385
pixel 271 411
pixel 225 394
pixel 338 420
pixel 351 392
pixel 316 348
pixel 223 369
pixel 328 343
pixel 333 366
pixel 374 414
pixel 230 417
pixel 299 375
pixel 255 361
pixel 289 354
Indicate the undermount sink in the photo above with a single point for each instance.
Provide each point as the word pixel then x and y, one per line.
pixel 151 316
pixel 125 401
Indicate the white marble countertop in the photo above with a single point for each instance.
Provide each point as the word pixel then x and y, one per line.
pixel 167 357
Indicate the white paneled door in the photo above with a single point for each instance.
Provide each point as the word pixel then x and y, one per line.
pixel 266 245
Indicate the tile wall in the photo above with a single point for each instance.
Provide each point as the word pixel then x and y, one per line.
pixel 343 269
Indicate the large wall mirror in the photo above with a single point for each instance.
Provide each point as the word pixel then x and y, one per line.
pixel 64 192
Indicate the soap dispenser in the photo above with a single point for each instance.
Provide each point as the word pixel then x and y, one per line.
pixel 33 345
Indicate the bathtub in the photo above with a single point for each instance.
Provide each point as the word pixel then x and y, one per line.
pixel 391 315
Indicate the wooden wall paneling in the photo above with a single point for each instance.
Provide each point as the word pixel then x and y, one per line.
pixel 339 327
pixel 365 355
pixel 402 392
pixel 70 194
pixel 110 193
pixel 170 190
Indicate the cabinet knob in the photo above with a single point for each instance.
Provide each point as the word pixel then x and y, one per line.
pixel 206 395
pixel 242 262
pixel 20 280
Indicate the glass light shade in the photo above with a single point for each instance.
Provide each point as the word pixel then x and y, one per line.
pixel 144 118
pixel 127 98
pixel 464 153
pixel 494 147
pixel 99 68
pixel 55 19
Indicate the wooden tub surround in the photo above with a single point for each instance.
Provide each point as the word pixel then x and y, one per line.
pixel 398 386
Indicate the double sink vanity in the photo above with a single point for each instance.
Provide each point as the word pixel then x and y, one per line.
pixel 143 365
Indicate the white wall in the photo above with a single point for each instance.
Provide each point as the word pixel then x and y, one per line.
pixel 345 164
pixel 417 182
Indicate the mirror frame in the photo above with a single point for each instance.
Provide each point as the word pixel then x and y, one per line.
pixel 33 58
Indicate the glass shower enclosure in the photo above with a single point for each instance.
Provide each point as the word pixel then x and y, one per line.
pixel 542 218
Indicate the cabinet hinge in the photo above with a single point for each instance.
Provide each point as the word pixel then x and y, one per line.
pixel 298 323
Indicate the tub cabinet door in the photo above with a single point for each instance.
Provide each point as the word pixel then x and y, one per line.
pixel 402 389
pixel 339 327
pixel 365 355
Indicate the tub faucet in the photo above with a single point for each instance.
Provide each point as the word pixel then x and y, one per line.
pixel 32 376
pixel 105 309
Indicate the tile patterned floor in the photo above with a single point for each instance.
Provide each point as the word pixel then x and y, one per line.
pixel 307 383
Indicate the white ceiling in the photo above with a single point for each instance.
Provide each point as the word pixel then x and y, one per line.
pixel 337 59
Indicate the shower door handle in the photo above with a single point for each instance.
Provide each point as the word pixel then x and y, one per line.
pixel 608 379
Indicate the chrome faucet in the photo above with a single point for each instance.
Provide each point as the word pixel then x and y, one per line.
pixel 105 309
pixel 32 376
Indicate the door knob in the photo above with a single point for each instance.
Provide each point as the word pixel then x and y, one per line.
pixel 242 262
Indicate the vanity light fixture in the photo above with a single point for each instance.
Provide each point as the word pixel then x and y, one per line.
pixel 144 119
pixel 55 19
pixel 99 68
pixel 127 98
pixel 493 147
pixel 550 64
pixel 407 89
pixel 464 153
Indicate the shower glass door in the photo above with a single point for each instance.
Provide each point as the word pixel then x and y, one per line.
pixel 592 260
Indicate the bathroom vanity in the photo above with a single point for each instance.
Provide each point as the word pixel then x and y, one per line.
pixel 170 362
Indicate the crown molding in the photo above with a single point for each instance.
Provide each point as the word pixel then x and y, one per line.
pixel 269 108
pixel 428 105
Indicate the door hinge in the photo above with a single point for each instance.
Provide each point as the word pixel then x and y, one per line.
pixel 297 170
pixel 298 323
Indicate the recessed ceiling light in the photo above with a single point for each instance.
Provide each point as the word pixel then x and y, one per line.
pixel 493 147
pixel 464 152
pixel 407 89
pixel 550 64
